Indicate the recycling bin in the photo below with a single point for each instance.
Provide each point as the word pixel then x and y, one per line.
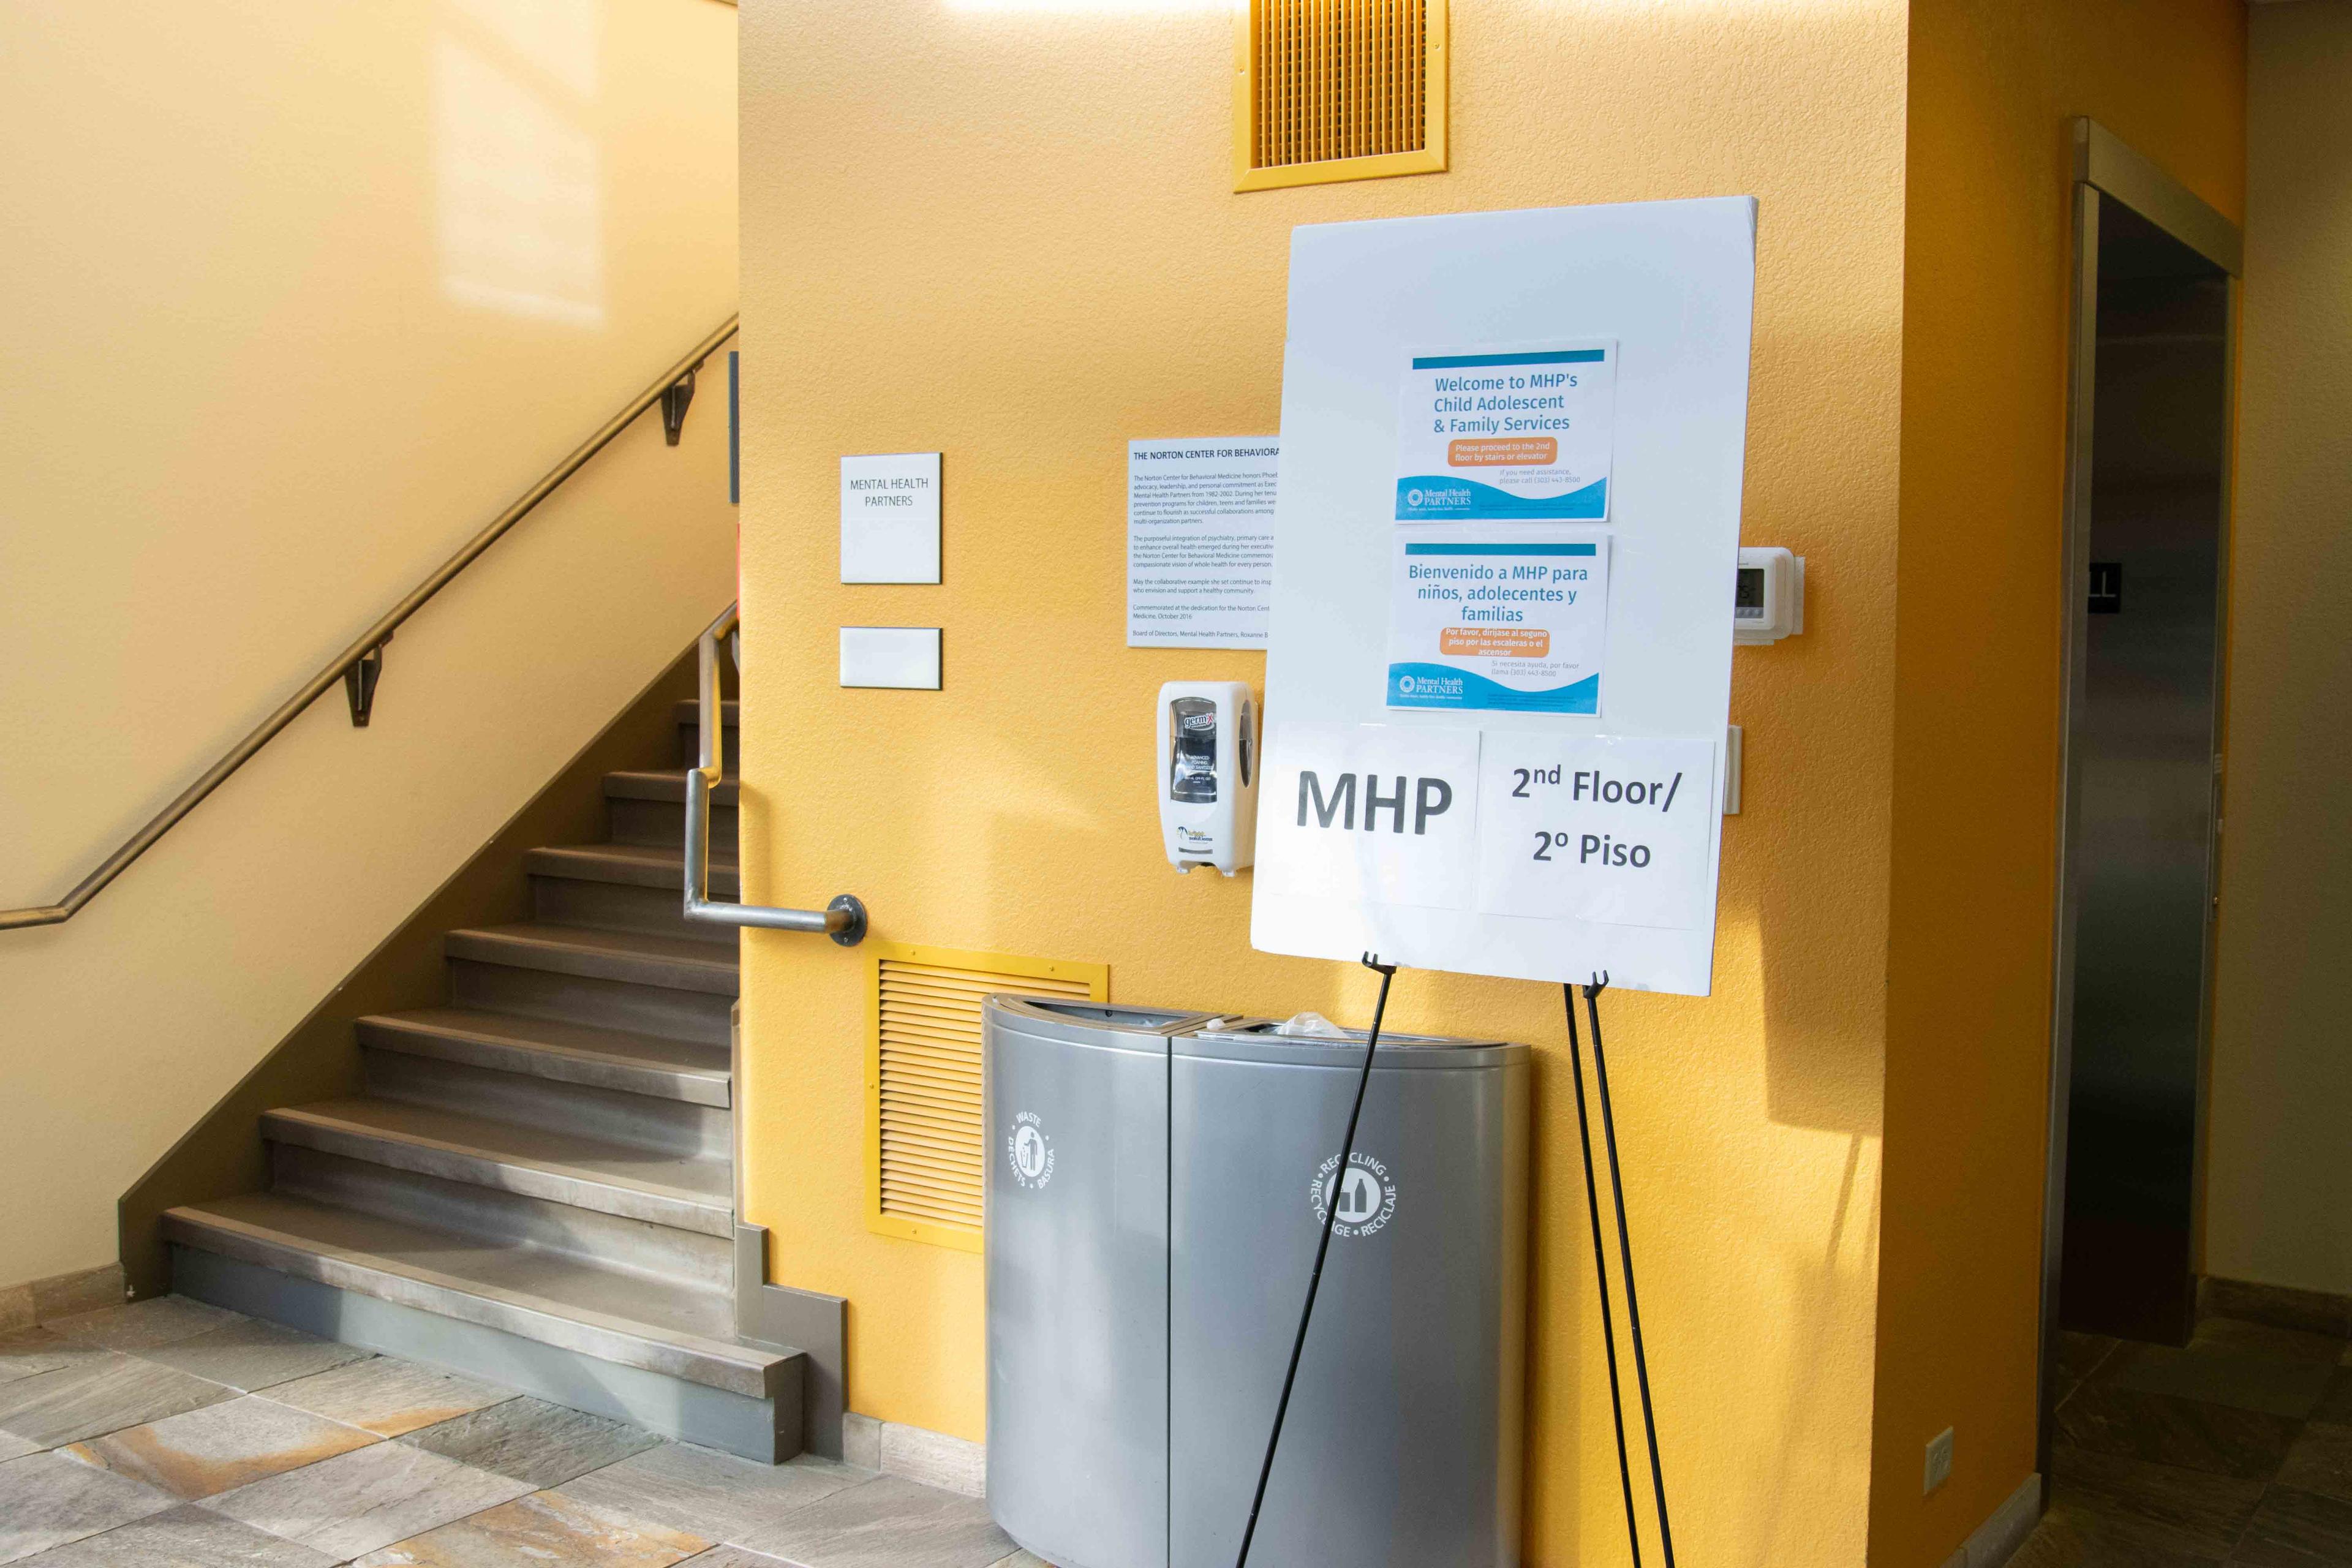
pixel 1157 1182
pixel 1402 1442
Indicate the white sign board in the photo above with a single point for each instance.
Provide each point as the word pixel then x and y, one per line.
pixel 907 658
pixel 1595 827
pixel 1388 813
pixel 1505 544
pixel 890 518
pixel 1199 541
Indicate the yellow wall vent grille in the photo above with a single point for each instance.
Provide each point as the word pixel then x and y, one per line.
pixel 924 1136
pixel 1337 89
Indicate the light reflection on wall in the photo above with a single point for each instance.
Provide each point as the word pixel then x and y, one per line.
pixel 520 177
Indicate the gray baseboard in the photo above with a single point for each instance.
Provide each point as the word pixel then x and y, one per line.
pixel 765 1430
pixel 1996 1540
pixel 813 1324
pixel 2280 1305
pixel 934 1458
pixel 60 1296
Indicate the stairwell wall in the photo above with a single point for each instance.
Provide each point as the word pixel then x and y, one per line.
pixel 313 293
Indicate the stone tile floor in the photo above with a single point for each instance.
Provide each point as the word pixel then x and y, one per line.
pixel 2236 1449
pixel 168 1433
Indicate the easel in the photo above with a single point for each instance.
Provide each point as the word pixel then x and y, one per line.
pixel 1600 1269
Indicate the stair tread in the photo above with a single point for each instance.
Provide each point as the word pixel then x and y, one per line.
pixel 689 710
pixel 637 864
pixel 665 784
pixel 683 962
pixel 549 1037
pixel 627 1318
pixel 702 1182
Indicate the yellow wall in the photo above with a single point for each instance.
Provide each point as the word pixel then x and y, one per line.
pixel 298 298
pixel 2282 1091
pixel 1005 231
pixel 1984 373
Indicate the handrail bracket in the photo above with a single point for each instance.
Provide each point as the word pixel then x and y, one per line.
pixel 675 400
pixel 360 677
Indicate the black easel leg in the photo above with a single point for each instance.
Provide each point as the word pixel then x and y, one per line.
pixel 1315 1280
pixel 1625 1255
pixel 1600 1274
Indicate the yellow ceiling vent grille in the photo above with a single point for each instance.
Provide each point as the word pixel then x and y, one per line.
pixel 1336 89
pixel 924 1136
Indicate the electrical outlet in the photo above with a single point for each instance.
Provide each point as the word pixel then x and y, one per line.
pixel 1940 1460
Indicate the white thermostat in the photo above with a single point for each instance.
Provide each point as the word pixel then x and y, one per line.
pixel 1769 602
pixel 1207 768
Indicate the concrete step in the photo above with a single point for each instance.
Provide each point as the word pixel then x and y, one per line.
pixel 673 1128
pixel 683 1193
pixel 658 865
pixel 650 808
pixel 633 957
pixel 497 1217
pixel 566 1053
pixel 626 887
pixel 676 988
pixel 666 784
pixel 689 720
pixel 536 1294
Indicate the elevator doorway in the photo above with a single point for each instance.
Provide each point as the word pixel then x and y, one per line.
pixel 2146 537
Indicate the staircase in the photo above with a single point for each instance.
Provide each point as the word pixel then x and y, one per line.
pixel 536 1185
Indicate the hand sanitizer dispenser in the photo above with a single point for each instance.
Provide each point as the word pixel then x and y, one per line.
pixel 1208 773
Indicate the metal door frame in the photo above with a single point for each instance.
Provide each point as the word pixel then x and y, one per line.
pixel 2106 165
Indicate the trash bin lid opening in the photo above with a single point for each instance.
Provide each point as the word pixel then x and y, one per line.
pixel 1272 1029
pixel 1102 1012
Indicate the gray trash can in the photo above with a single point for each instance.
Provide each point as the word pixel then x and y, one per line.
pixel 1076 1118
pixel 1155 1188
pixel 1402 1444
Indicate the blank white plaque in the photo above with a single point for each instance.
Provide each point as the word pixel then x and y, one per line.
pixel 890 518
pixel 907 658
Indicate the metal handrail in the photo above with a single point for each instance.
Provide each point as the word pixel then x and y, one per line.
pixel 354 656
pixel 844 920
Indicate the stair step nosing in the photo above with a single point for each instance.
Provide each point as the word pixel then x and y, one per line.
pixel 663 787
pixel 738 1369
pixel 669 971
pixel 584 864
pixel 550 1060
pixel 679 1208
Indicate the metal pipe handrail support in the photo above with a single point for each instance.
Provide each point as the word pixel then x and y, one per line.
pixel 844 920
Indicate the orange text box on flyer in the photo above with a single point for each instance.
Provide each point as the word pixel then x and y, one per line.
pixel 1495 642
pixel 1502 452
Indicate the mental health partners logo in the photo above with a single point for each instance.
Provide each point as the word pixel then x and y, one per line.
pixel 1368 1197
pixel 1434 500
pixel 1031 1152
pixel 1420 688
